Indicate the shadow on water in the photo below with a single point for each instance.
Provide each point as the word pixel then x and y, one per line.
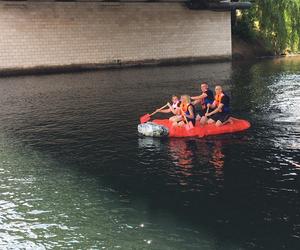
pixel 241 190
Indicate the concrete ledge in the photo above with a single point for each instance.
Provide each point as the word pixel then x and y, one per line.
pixel 50 69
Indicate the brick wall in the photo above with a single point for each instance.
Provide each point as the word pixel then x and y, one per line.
pixel 60 34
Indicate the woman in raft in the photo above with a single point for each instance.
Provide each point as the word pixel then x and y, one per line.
pixel 173 108
pixel 187 112
pixel 220 114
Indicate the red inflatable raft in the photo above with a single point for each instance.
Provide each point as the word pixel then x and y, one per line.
pixel 209 129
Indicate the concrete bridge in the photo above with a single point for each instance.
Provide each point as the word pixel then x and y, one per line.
pixel 51 35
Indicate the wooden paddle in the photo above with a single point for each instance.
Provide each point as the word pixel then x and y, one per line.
pixel 207 109
pixel 145 118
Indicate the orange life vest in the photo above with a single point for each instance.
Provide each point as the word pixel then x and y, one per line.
pixel 184 107
pixel 218 99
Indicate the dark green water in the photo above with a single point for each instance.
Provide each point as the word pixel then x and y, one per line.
pixel 74 174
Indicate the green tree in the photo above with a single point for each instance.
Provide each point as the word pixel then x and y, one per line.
pixel 277 22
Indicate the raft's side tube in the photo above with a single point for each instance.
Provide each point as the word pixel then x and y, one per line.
pixel 237 125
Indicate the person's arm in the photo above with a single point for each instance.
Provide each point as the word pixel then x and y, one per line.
pixel 196 102
pixel 217 110
pixel 171 109
pixel 194 98
pixel 165 111
pixel 199 97
pixel 212 106
pixel 191 111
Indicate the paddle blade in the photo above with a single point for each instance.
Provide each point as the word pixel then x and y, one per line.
pixel 145 118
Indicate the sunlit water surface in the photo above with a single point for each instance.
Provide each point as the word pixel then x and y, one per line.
pixel 75 174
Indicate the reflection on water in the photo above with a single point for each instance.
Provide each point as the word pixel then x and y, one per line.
pixel 75 174
pixel 191 158
pixel 183 153
pixel 286 108
pixel 218 158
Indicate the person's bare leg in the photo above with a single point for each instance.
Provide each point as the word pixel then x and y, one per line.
pixel 229 120
pixel 175 124
pixel 172 118
pixel 210 121
pixel 203 120
pixel 175 119
pixel 181 124
pixel 219 123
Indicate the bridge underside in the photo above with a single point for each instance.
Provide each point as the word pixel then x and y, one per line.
pixel 71 35
pixel 191 4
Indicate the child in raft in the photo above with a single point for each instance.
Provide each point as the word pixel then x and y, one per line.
pixel 220 113
pixel 187 112
pixel 173 108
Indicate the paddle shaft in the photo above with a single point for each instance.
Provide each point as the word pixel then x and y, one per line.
pixel 158 110
pixel 207 109
pixel 183 114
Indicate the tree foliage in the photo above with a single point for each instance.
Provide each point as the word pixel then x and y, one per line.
pixel 277 22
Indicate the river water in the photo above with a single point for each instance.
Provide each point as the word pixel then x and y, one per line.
pixel 74 174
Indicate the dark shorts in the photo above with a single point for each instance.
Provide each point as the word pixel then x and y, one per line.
pixel 222 117
pixel 202 112
pixel 191 120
